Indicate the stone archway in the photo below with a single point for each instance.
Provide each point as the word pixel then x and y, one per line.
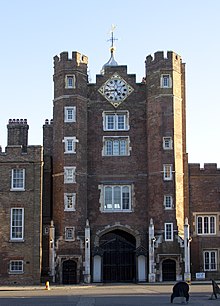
pixel 119 262
pixel 69 272
pixel 169 270
pixel 125 228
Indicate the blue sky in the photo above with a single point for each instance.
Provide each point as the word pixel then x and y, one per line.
pixel 34 31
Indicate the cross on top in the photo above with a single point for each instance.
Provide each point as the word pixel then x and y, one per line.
pixel 112 39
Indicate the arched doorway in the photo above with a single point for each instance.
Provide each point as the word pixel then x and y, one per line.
pixel 118 256
pixel 69 272
pixel 169 270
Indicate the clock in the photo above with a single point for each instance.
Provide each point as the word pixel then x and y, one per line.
pixel 115 90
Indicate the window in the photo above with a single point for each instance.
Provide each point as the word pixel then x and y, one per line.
pixel 70 114
pixel 18 179
pixel 115 121
pixel 169 231
pixel 46 230
pixel 16 266
pixel 117 198
pixel 210 260
pixel 69 201
pixel 165 81
pixel 167 143
pixel 17 224
pixel 116 146
pixel 69 175
pixel 70 144
pixel 206 225
pixel 167 172
pixel 70 81
pixel 168 202
pixel 69 233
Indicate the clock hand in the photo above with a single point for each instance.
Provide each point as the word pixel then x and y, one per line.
pixel 110 90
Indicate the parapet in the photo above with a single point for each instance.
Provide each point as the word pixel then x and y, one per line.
pixel 15 153
pixel 159 56
pixel 209 168
pixel 75 60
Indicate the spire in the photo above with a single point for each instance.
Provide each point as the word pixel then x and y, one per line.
pixel 111 61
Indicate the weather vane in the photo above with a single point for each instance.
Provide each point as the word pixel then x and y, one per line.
pixel 112 39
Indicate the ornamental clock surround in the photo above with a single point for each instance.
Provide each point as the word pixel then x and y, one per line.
pixel 115 90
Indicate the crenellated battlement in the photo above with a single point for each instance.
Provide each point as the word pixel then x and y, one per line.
pixel 77 59
pixel 16 152
pixel 209 168
pixel 159 56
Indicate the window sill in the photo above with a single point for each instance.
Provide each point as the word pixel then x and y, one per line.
pixel 114 130
pixel 205 235
pixel 72 182
pixel 16 240
pixel 210 270
pixel 69 209
pixel 117 211
pixel 116 155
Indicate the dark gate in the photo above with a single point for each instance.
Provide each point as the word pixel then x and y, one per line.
pixel 69 272
pixel 118 256
pixel 169 270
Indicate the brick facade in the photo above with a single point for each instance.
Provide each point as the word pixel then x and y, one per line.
pixel 112 199
pixel 21 257
pixel 204 202
pixel 152 113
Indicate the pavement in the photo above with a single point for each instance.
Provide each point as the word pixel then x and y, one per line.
pixel 92 285
pixel 104 295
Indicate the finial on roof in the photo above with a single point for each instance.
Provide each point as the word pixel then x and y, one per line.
pixel 112 39
pixel 111 61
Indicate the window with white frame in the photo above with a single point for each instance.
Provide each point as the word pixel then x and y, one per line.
pixel 117 198
pixel 206 225
pixel 16 266
pixel 18 179
pixel 210 260
pixel 70 144
pixel 115 121
pixel 165 81
pixel 69 233
pixel 69 201
pixel 116 146
pixel 167 172
pixel 46 230
pixel 69 175
pixel 168 231
pixel 168 201
pixel 70 81
pixel 70 114
pixel 17 224
pixel 167 143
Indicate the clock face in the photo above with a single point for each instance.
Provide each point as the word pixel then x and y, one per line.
pixel 115 90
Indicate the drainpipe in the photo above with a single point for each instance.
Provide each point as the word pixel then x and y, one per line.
pixel 52 251
pixel 87 275
pixel 151 275
pixel 187 240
